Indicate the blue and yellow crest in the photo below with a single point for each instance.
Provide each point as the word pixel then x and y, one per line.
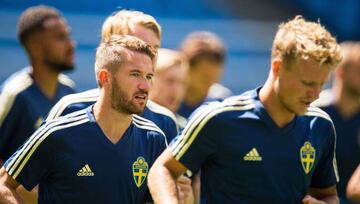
pixel 307 156
pixel 140 169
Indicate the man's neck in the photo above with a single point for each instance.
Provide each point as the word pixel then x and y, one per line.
pixel 46 79
pixel 193 97
pixel 272 105
pixel 347 103
pixel 112 122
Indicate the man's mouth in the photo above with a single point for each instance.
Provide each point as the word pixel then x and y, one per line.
pixel 141 97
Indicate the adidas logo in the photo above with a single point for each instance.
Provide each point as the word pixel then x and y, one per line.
pixel 85 171
pixel 253 155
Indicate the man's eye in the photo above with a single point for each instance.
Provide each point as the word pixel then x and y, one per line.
pixel 135 74
pixel 149 77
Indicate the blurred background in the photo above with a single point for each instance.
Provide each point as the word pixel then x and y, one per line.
pixel 247 28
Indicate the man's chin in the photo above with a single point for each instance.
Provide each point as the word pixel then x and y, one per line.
pixel 68 68
pixel 64 67
pixel 301 111
pixel 139 109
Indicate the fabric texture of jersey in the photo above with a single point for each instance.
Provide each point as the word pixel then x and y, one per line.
pixel 246 158
pixel 23 108
pixel 160 115
pixel 74 162
pixel 347 145
pixel 217 92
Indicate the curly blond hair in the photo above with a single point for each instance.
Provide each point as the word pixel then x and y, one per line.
pixel 119 23
pixel 300 39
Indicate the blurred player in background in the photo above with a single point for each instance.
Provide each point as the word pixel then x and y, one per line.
pixel 205 53
pixel 344 109
pixel 170 81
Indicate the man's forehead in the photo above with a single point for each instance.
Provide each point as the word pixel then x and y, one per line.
pixel 136 59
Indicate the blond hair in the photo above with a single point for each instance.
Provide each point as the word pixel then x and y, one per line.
pixel 300 39
pixel 110 53
pixel 168 58
pixel 119 23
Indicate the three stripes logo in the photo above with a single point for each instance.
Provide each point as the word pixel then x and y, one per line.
pixel 85 171
pixel 253 155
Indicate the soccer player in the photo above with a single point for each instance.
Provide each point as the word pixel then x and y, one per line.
pixel 344 110
pixel 28 95
pixel 205 53
pixel 100 154
pixel 266 145
pixel 146 28
pixel 170 81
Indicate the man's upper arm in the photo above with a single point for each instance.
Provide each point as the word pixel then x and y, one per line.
pixel 326 173
pixel 175 167
pixel 10 122
pixel 198 141
pixel 32 160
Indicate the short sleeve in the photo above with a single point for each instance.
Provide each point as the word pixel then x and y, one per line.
pixel 326 173
pixel 33 160
pixel 197 141
pixel 15 128
pixel 75 107
pixel 170 130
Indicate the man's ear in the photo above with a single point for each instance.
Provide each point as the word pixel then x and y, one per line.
pixel 104 77
pixel 276 66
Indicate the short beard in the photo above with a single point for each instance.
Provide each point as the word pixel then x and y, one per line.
pixel 60 66
pixel 120 102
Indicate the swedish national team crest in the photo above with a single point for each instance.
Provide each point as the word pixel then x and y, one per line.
pixel 307 156
pixel 140 169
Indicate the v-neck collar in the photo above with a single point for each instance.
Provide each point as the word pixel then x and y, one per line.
pixel 264 115
pixel 101 135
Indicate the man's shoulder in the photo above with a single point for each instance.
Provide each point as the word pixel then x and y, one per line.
pixel 13 92
pixel 155 110
pixel 316 118
pixel 240 103
pixel 315 112
pixel 66 81
pixel 73 102
pixel 65 123
pixel 217 113
pixel 148 126
pixel 16 83
pixel 86 96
